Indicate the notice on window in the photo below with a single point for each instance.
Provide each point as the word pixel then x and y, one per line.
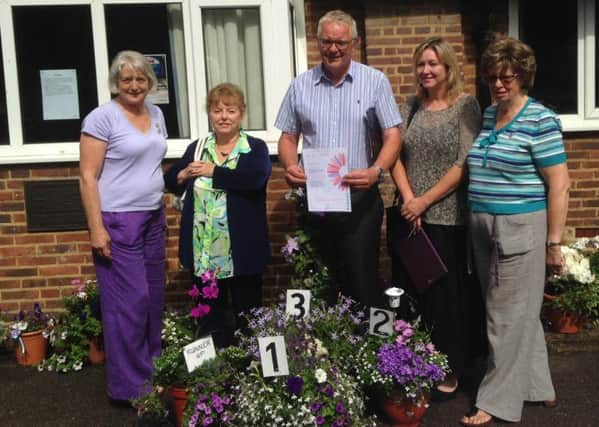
pixel 325 168
pixel 60 99
pixel 160 95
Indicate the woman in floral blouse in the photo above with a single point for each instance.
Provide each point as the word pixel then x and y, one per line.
pixel 223 225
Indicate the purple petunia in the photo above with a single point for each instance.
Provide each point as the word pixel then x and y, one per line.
pixel 210 292
pixel 194 292
pixel 294 385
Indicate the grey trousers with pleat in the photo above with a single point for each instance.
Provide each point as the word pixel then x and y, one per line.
pixel 509 252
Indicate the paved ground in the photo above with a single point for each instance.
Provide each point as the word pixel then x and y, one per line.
pixel 29 398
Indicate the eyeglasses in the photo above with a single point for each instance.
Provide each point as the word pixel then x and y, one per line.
pixel 341 44
pixel 505 79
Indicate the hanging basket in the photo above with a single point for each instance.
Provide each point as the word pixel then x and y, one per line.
pixel 31 348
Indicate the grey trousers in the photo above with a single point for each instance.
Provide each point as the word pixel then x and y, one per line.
pixel 509 252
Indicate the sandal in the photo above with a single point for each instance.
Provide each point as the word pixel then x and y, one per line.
pixel 475 413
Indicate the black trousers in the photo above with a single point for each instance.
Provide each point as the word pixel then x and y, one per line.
pixel 349 246
pixel 245 293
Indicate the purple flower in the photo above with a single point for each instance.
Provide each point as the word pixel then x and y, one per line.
pixel 340 408
pixel 289 248
pixel 194 292
pixel 210 292
pixel 201 310
pixel 294 385
pixel 319 420
pixel 208 421
pixel 328 390
pixel 315 407
pixel 209 277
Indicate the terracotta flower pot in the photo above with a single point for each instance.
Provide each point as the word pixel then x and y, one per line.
pixel 179 399
pixel 403 412
pixel 33 350
pixel 95 353
pixel 561 321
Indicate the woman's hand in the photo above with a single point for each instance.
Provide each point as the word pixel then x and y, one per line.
pixel 100 242
pixel 414 208
pixel 554 260
pixel 195 169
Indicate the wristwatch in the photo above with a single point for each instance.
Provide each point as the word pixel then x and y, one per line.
pixel 551 244
pixel 381 173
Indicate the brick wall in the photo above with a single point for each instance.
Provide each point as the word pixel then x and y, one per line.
pixel 40 266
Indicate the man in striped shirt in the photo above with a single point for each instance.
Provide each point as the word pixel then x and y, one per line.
pixel 327 105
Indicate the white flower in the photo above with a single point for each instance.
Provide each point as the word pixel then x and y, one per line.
pixel 77 365
pixel 321 376
pixel 577 265
pixel 61 359
pixel 63 335
pixel 22 325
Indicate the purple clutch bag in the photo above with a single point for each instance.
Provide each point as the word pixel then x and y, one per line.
pixel 416 253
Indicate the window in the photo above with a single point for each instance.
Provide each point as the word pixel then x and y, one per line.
pixel 3 113
pixel 156 35
pixel 52 74
pixel 564 43
pixel 57 79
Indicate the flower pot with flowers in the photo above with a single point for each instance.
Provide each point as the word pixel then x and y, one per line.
pixel 85 317
pixel 403 368
pixel 317 390
pixel 212 398
pixel 30 332
pixel 573 296
pixel 170 369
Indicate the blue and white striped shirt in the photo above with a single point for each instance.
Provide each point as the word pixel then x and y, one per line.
pixel 335 116
pixel 504 163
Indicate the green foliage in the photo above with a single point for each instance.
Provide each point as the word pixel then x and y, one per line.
pixel 83 307
pixel 170 369
pixel 151 408
pixel 575 297
pixel 69 344
pixel 309 272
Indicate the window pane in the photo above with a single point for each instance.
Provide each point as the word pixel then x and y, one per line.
pixel 156 30
pixel 56 59
pixel 553 39
pixel 234 54
pixel 3 114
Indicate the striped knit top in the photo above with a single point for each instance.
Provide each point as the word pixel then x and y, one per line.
pixel 504 163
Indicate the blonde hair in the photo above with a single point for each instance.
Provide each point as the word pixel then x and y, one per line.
pixel 130 59
pixel 508 52
pixel 340 17
pixel 448 58
pixel 228 94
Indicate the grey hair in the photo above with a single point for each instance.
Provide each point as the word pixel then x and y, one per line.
pixel 339 17
pixel 130 59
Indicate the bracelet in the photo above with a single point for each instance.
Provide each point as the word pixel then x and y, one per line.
pixel 551 244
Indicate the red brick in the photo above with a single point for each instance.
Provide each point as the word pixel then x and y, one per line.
pixel 30 294
pixel 59 270
pixel 28 260
pixel 9 307
pixel 35 238
pixel 80 236
pixel 56 249
pixel 18 272
pixel 34 283
pixel 50 293
pixel 10 284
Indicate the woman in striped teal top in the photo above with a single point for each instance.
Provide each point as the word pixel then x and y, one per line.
pixel 518 200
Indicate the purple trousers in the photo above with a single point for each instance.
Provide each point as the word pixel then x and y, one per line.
pixel 132 299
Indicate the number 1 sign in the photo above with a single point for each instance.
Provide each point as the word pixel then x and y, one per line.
pixel 273 356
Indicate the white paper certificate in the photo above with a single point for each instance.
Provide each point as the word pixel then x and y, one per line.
pixel 324 168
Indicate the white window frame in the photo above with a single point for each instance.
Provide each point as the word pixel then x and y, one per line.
pixel 587 118
pixel 277 69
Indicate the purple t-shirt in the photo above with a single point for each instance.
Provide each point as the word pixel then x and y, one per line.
pixel 131 178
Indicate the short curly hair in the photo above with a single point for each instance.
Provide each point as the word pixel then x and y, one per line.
pixel 133 60
pixel 227 93
pixel 508 52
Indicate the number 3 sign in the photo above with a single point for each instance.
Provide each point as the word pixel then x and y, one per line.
pixel 273 356
pixel 298 302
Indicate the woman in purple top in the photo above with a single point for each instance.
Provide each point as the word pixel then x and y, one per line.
pixel 122 146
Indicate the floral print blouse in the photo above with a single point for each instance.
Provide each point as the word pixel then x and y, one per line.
pixel 211 240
